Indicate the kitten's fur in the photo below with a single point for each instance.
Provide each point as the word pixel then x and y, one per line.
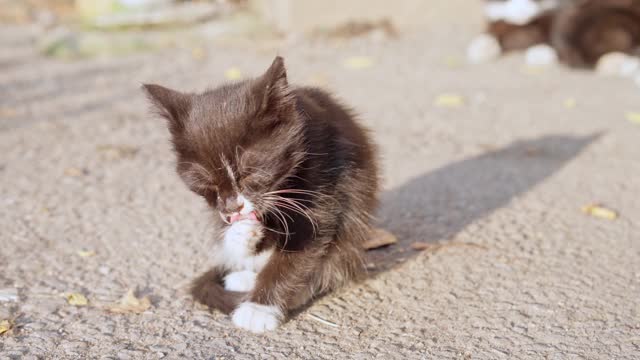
pixel 306 173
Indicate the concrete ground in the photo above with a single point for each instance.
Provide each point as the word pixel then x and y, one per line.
pixel 495 185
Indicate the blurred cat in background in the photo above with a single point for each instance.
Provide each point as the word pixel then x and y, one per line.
pixel 601 34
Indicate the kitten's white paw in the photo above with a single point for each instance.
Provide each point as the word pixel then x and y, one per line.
pixel 257 318
pixel 541 55
pixel 242 281
pixel 483 48
pixel 618 64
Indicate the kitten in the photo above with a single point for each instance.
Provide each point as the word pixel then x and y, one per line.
pixel 516 25
pixel 579 33
pixel 293 179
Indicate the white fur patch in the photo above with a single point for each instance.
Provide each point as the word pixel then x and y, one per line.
pixel 517 12
pixel 483 48
pixel 257 318
pixel 242 281
pixel 618 64
pixel 248 205
pixel 236 252
pixel 541 55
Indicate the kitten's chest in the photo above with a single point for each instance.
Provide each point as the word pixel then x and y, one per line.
pixel 239 259
pixel 237 250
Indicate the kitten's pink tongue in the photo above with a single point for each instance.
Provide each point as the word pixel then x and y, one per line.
pixel 237 217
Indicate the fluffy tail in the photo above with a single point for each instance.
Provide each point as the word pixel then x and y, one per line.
pixel 207 289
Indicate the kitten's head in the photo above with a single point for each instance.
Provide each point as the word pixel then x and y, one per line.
pixel 518 12
pixel 235 143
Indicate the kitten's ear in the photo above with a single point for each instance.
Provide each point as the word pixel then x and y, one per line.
pixel 273 88
pixel 170 104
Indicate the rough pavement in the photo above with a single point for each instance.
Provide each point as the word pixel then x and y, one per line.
pixel 498 184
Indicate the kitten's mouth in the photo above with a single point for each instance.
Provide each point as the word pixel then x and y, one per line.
pixel 235 217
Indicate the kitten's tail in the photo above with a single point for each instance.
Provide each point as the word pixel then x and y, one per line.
pixel 207 289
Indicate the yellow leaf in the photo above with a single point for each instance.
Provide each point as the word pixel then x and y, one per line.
pixel 74 172
pixel 379 238
pixel 86 253
pixel 129 303
pixel 533 70
pixel 358 62
pixel 449 100
pixel 233 74
pixel 452 62
pixel 599 211
pixel 77 299
pixel 198 53
pixel 570 103
pixel 318 80
pixel 633 117
pixel 5 326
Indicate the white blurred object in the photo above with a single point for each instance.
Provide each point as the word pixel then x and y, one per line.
pixel 8 295
pixel 618 64
pixel 483 48
pixel 517 12
pixel 541 55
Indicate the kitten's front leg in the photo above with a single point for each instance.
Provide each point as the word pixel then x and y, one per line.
pixel 241 281
pixel 283 284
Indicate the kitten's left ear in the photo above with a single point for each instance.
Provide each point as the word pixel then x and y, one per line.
pixel 273 88
pixel 170 104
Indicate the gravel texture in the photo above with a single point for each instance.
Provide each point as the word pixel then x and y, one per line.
pixel 496 185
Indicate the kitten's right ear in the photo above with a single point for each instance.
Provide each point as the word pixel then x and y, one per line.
pixel 170 104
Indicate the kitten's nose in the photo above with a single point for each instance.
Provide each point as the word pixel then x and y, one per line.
pixel 233 206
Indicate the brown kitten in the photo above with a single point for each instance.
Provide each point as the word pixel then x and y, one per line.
pixel 516 25
pixel 293 178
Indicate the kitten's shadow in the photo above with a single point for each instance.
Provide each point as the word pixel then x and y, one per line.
pixel 435 206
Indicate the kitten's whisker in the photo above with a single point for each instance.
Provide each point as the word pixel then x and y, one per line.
pixel 297 209
pixel 280 216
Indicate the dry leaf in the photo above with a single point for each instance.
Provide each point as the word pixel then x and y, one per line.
pixel 6 327
pixel 8 112
pixel 113 152
pixel 570 103
pixel 358 62
pixel 419 246
pixel 633 117
pixel 86 253
pixel 449 100
pixel 599 211
pixel 74 172
pixel 77 299
pixel 380 238
pixel 129 303
pixel 198 53
pixel 233 74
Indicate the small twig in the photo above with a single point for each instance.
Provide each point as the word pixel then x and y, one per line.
pixel 319 319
